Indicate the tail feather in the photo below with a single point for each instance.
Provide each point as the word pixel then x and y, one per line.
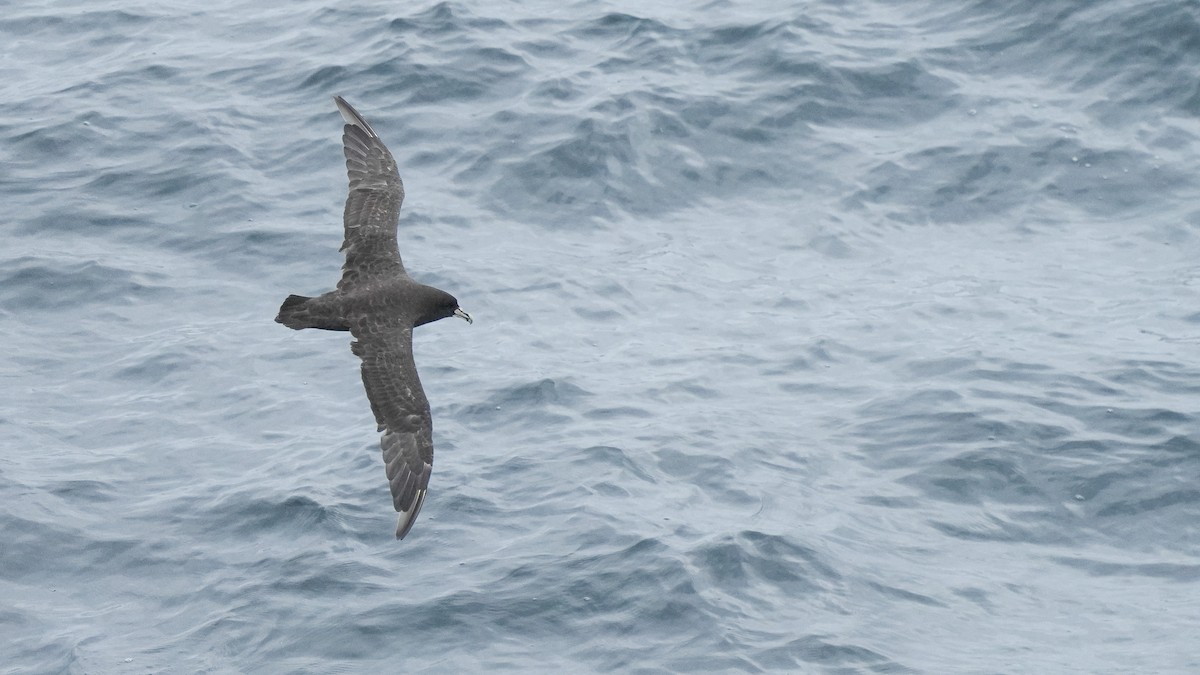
pixel 292 314
pixel 299 311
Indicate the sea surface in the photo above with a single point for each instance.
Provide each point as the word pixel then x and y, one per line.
pixel 810 337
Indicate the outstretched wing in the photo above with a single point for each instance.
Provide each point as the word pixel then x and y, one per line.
pixel 401 410
pixel 373 205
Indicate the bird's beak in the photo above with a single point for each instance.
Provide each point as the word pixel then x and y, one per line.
pixel 463 315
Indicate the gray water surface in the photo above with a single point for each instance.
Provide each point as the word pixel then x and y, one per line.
pixel 809 337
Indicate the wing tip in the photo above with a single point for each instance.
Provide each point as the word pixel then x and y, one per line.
pixel 407 518
pixel 352 117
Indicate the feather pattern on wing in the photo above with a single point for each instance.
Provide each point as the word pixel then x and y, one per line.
pixel 401 411
pixel 372 205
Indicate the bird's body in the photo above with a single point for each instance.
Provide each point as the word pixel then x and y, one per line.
pixel 380 304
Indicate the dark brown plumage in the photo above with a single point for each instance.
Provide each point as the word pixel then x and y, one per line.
pixel 380 305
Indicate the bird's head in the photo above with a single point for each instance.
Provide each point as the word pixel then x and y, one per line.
pixel 440 305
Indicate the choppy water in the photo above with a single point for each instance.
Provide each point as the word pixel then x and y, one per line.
pixel 810 337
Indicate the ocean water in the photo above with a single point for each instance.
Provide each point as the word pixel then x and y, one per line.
pixel 810 337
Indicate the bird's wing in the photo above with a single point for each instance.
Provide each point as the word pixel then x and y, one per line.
pixel 373 205
pixel 401 410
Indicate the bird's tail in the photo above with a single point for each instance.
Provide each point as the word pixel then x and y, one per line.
pixel 299 311
pixel 292 313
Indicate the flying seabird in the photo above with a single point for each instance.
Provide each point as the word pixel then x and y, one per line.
pixel 380 305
